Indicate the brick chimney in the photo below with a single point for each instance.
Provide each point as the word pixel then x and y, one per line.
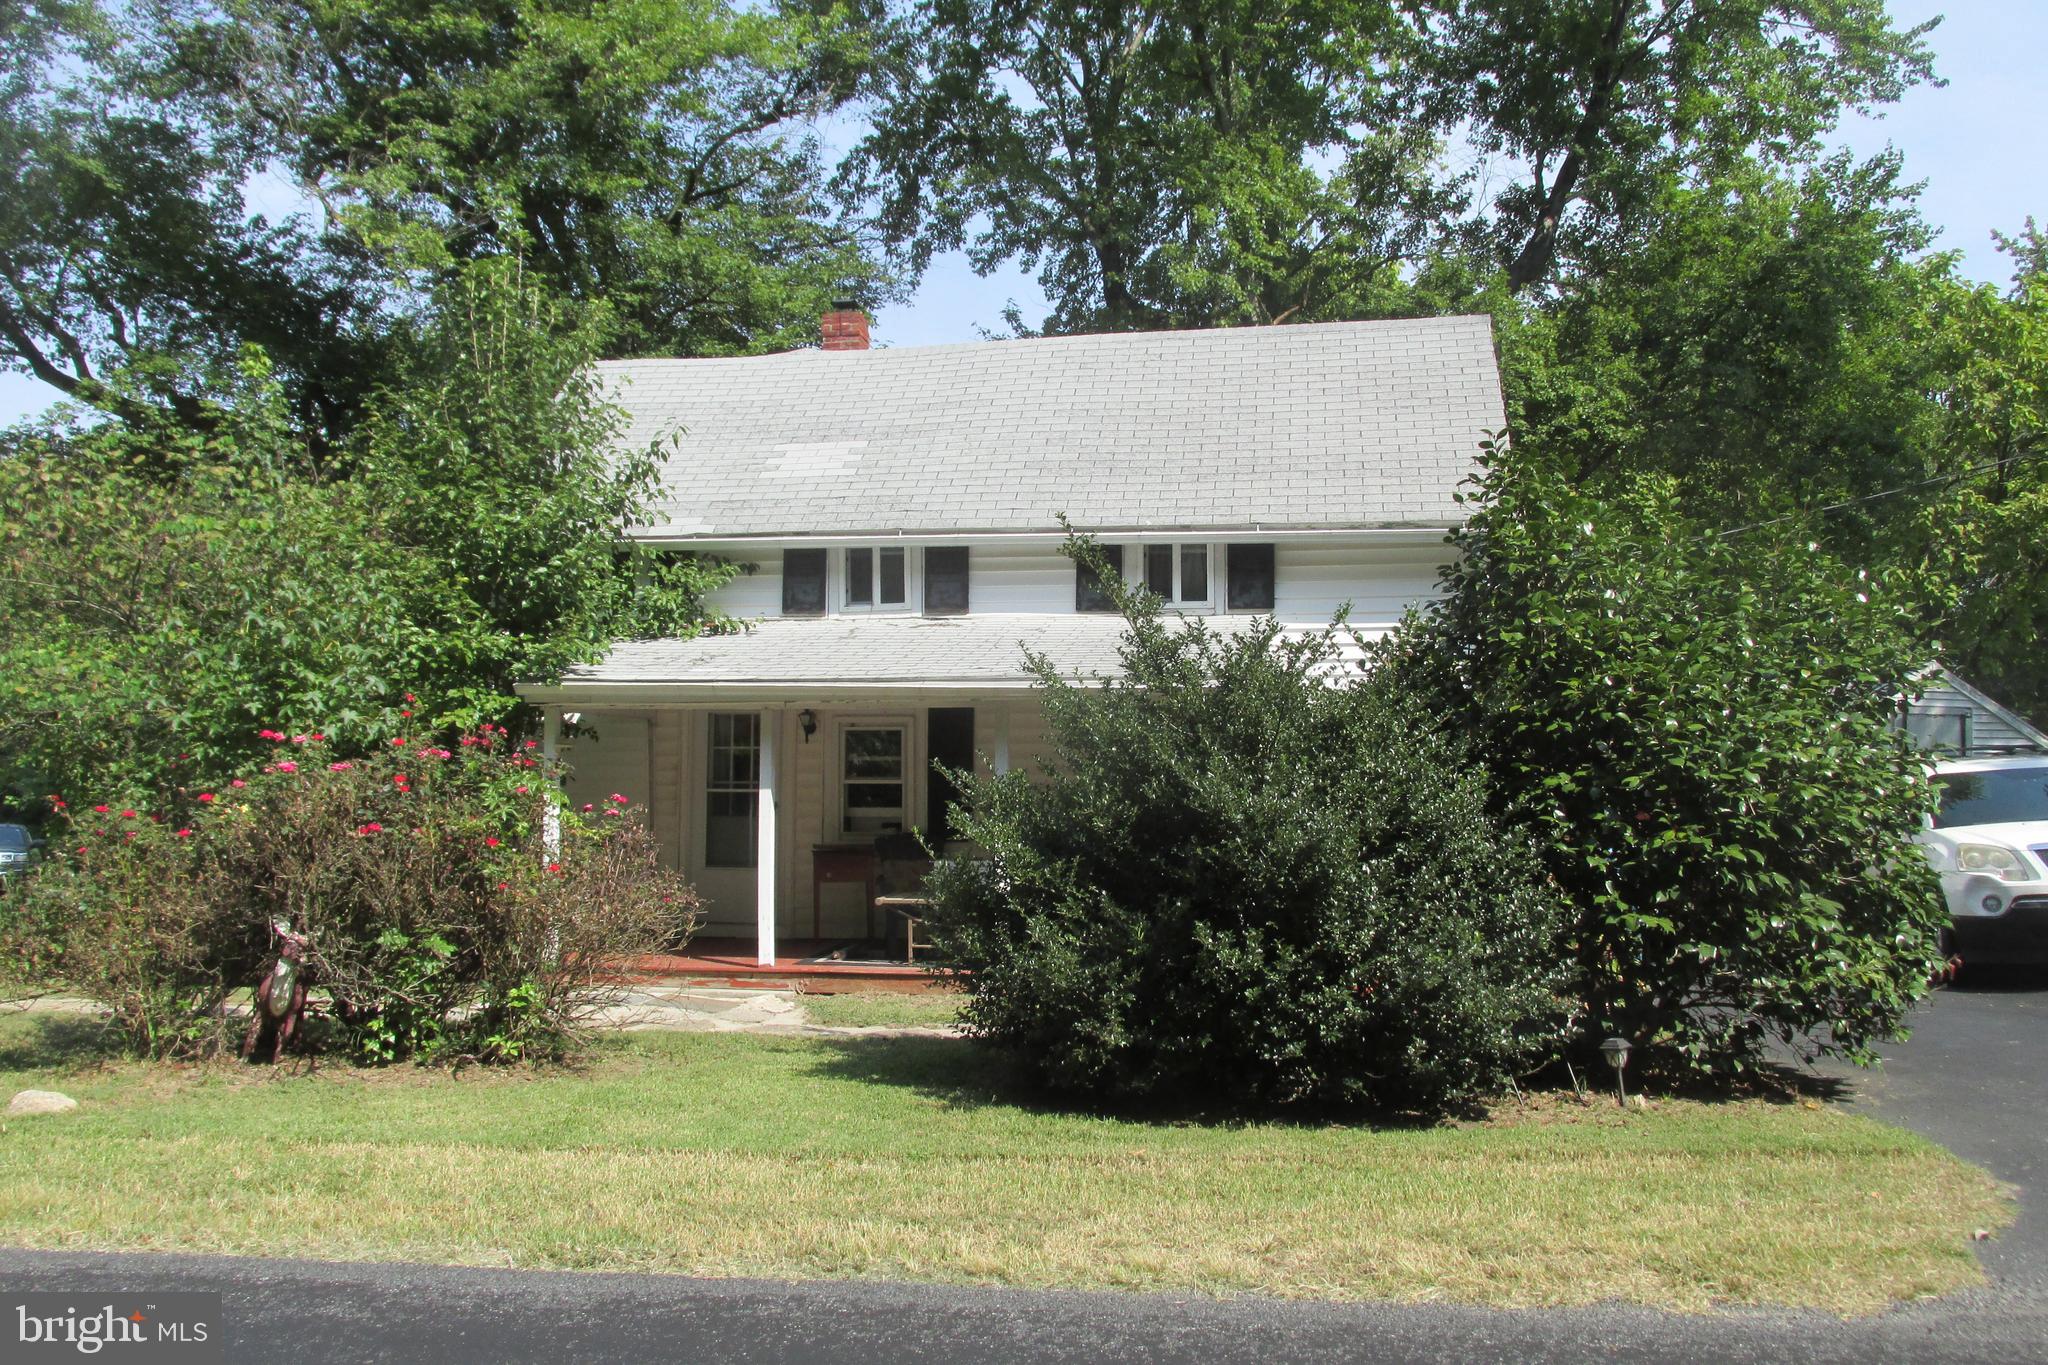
pixel 845 328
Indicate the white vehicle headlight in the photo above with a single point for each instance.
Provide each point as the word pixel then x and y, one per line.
pixel 1991 860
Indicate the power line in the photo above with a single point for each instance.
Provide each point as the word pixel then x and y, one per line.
pixel 1890 492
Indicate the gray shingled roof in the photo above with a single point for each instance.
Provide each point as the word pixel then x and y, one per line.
pixel 1343 424
pixel 870 651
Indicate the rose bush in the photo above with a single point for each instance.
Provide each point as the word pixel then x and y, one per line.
pixel 442 922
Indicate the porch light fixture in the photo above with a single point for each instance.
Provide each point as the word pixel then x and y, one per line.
pixel 1615 1050
pixel 807 721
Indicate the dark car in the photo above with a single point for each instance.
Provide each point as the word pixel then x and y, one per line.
pixel 19 851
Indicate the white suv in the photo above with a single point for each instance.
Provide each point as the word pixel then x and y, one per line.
pixel 1989 842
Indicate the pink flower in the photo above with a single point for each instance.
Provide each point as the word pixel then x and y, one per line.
pixel 238 782
pixel 618 800
pixel 398 742
pixel 56 803
pixel 301 739
pixel 554 867
pixel 127 815
pixel 287 766
pixel 339 767
pixel 372 828
pixel 589 806
pixel 531 744
pixel 611 810
pixel 491 842
pixel 273 735
pixel 206 796
pixel 102 809
pixel 410 697
pixel 519 791
pixel 405 715
pixel 182 834
pixel 318 737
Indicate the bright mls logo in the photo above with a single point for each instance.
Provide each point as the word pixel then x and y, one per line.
pixel 167 1329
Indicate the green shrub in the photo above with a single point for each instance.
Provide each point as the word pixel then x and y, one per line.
pixel 1241 885
pixel 1699 731
pixel 438 925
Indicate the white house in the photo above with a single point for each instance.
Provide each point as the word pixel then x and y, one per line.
pixel 899 511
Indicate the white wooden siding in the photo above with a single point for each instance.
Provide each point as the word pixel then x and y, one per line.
pixel 1313 576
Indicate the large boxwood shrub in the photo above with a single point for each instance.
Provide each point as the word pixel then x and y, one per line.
pixel 439 923
pixel 1239 884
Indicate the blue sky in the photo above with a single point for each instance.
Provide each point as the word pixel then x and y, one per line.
pixel 1978 143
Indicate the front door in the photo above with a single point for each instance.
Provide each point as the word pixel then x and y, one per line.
pixel 727 814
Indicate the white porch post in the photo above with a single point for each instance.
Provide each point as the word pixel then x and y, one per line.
pixel 551 811
pixel 766 842
pixel 1000 759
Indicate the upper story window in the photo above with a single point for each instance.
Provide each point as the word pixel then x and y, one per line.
pixel 1185 575
pixel 1178 574
pixel 874 579
pixel 861 579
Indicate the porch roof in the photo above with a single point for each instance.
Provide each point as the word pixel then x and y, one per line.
pixel 853 655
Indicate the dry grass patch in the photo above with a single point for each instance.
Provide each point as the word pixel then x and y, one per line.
pixel 725 1154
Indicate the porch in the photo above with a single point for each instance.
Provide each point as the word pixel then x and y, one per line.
pixel 788 771
pixel 816 965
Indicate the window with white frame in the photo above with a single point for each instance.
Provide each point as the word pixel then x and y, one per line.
pixel 875 578
pixel 1178 574
pixel 732 789
pixel 874 779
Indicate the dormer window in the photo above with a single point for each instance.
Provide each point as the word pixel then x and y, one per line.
pixel 876 579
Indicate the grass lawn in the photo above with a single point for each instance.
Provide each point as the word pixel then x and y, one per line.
pixel 884 1009
pixel 736 1154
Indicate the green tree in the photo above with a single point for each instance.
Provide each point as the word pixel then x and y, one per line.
pixel 1699 731
pixel 496 450
pixel 648 155
pixel 1602 107
pixel 130 272
pixel 1991 525
pixel 168 594
pixel 1189 164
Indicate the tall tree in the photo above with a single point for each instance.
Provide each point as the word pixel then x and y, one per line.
pixel 1600 106
pixel 649 154
pixel 1181 164
pixel 131 272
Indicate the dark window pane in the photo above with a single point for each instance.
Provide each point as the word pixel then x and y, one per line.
pixel 890 591
pixel 874 795
pixel 950 742
pixel 1250 582
pixel 945 581
pixel 803 582
pixel 860 577
pixel 729 830
pixel 1088 593
pixel 1159 570
pixel 1194 573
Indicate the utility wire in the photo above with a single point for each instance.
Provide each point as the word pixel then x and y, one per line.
pixel 1889 492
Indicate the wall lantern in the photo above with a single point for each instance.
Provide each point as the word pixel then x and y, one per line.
pixel 807 721
pixel 1615 1050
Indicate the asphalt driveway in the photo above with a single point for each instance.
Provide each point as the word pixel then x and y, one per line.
pixel 1972 1078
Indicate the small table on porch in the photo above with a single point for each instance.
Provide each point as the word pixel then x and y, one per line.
pixel 842 863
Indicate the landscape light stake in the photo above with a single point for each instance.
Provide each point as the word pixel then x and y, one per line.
pixel 1615 1050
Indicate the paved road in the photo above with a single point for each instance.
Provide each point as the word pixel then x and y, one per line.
pixel 1973 1077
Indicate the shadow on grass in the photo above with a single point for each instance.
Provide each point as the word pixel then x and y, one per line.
pixel 59 1042
pixel 959 1073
